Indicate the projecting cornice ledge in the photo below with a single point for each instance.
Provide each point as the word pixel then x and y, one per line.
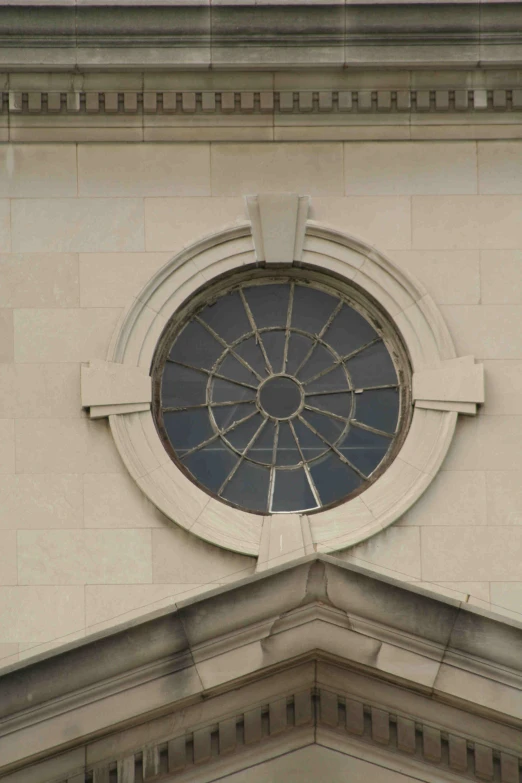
pixel 402 653
pixel 268 34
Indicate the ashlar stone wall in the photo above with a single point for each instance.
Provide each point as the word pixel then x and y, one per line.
pixel 82 228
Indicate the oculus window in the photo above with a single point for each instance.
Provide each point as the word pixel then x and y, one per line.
pixel 281 391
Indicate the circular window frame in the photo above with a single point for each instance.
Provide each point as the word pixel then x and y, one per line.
pixel 408 307
pixel 318 279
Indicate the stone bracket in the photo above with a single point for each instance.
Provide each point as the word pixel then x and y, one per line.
pixel 284 537
pixel 454 385
pixel 109 387
pixel 278 226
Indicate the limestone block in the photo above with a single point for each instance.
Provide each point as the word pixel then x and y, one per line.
pixel 503 387
pixel 486 331
pixel 278 226
pixel 500 168
pixel 382 221
pixel 5 225
pixel 41 501
pixel 144 170
pixel 7 446
pixel 47 557
pixel 107 387
pixel 396 550
pixel 471 553
pixel 504 497
pixel 444 222
pixel 172 223
pixel 88 225
pixel 38 170
pixel 180 557
pixel 507 598
pixel 114 500
pixel 65 446
pixel 8 571
pixel 501 276
pixel 113 279
pixel 453 498
pixel 412 167
pixel 258 168
pixel 40 391
pixel 451 276
pixel 40 613
pixel 66 335
pixel 6 336
pixel 486 443
pixel 466 222
pixel 39 280
pixel 454 382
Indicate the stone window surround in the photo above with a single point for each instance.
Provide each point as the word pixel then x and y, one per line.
pixel 443 384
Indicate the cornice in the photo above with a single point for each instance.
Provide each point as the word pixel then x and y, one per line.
pixel 203 33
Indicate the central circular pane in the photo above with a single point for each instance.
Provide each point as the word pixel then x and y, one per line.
pixel 280 397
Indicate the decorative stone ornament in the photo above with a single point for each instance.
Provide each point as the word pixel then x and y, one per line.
pixel 278 233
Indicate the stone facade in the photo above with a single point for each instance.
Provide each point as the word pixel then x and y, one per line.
pixel 130 133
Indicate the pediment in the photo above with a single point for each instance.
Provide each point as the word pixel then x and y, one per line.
pixel 313 652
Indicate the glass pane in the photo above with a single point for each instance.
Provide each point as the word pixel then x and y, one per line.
pixel 340 404
pixel 311 309
pixel 233 369
pixel 224 391
pixel 227 414
pixel 262 450
pixel 251 352
pixel 181 387
pixel 241 436
pixel 298 347
pixel 292 491
pixel 349 331
pixel 227 317
pixel 329 428
pixel 274 343
pixel 195 346
pixel 249 487
pixel 378 408
pixel 212 464
pixel 268 303
pixel 333 479
pixel 334 380
pixel 372 367
pixel 188 428
pixel 287 451
pixel 310 444
pixel 280 397
pixel 364 449
pixel 319 360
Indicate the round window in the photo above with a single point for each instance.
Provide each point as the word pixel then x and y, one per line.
pixel 281 392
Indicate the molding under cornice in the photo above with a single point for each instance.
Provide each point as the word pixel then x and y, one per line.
pixel 243 107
